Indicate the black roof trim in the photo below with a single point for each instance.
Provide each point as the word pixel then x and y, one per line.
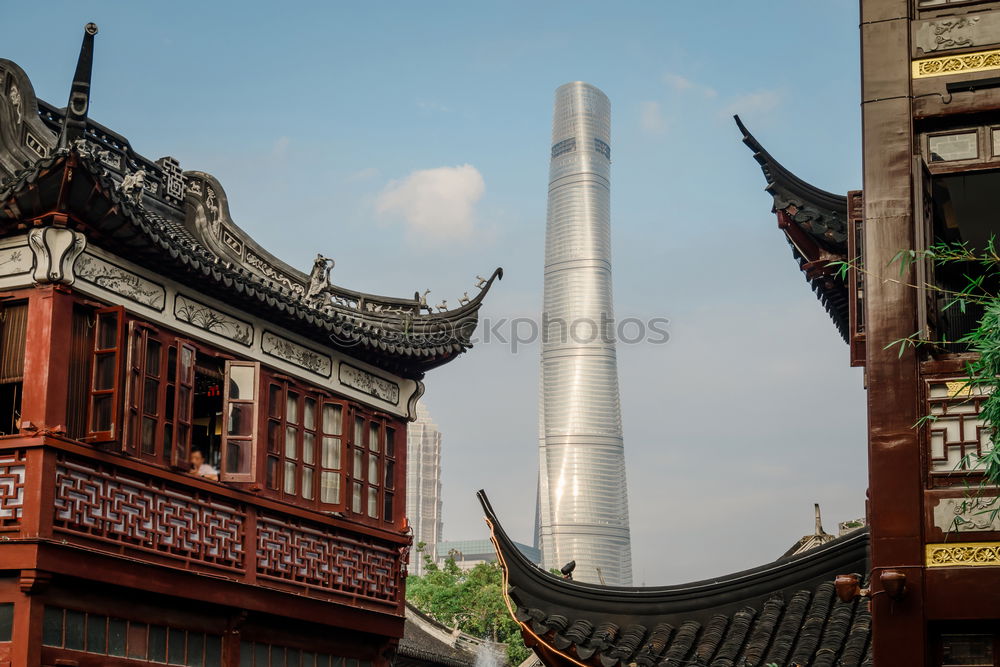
pixel 535 585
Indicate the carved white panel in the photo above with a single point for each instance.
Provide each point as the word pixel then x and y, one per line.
pixel 369 383
pixel 55 250
pixel 282 348
pixel 212 320
pixel 971 514
pixel 16 260
pixel 121 281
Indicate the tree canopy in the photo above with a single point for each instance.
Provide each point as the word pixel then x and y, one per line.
pixel 471 599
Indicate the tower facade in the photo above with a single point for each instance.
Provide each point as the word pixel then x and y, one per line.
pixel 583 497
pixel 423 486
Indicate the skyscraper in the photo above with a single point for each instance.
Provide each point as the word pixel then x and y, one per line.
pixel 423 486
pixel 583 498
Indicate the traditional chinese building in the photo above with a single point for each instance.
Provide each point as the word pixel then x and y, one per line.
pixel 140 324
pixel 919 586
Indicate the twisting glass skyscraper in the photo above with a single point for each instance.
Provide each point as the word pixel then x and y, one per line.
pixel 583 497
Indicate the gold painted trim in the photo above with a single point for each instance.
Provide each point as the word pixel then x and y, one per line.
pixel 960 64
pixel 964 554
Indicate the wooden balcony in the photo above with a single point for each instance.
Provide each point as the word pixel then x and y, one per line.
pixel 68 509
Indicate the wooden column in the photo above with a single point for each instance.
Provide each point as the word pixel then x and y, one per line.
pixel 46 359
pixel 894 477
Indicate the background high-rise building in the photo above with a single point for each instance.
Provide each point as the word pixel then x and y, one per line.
pixel 583 498
pixel 423 486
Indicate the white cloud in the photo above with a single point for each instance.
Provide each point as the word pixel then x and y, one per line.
pixel 435 204
pixel 682 84
pixel 760 101
pixel 651 118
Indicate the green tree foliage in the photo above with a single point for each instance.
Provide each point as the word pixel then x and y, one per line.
pixel 471 599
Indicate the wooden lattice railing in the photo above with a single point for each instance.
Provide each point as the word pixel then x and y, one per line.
pixel 128 508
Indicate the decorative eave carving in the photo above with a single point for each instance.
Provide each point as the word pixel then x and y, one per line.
pixel 815 225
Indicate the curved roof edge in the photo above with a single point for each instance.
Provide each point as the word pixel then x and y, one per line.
pixel 532 586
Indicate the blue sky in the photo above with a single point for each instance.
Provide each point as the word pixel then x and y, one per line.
pixel 410 142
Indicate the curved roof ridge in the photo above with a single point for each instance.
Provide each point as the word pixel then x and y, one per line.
pixel 790 572
pixel 778 175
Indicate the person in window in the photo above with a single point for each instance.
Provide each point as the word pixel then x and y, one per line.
pixel 202 468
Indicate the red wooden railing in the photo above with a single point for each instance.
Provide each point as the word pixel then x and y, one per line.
pixel 65 492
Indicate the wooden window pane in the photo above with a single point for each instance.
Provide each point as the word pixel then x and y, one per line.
pixel 148 439
pixel 329 487
pixel 356 498
pixel 373 502
pixel 359 431
pixel 241 382
pixel 213 651
pixel 291 446
pixel 102 410
pixel 387 507
pixel 307 483
pixel 331 453
pixel 271 478
pixel 153 351
pixel 289 477
pixel 373 475
pixel 273 436
pixel 105 366
pixel 309 413
pixel 390 474
pixel 274 401
pixel 964 650
pixel 75 630
pixel 332 418
pixel 309 448
pixel 241 420
pixel 195 649
pixel 157 643
pixel 97 633
pixel 292 408
pixel 137 640
pixel 359 464
pixel 107 329
pixel 373 436
pixel 151 396
pixel 116 637
pixel 52 627
pixel 238 457
pixel 390 441
pixel 12 342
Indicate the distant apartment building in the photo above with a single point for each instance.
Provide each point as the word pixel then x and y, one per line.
pixel 423 486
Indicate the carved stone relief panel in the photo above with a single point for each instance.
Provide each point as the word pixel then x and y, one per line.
pixel 214 321
pixel 369 383
pixel 121 281
pixel 956 32
pixel 303 357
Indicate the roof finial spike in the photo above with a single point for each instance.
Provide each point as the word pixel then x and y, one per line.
pixel 819 521
pixel 75 122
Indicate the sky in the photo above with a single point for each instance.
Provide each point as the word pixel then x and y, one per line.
pixel 410 142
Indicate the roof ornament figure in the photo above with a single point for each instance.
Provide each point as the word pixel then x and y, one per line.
pixel 480 282
pixel 464 299
pixel 443 306
pixel 319 279
pixel 421 299
pixel 132 185
pixel 75 121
